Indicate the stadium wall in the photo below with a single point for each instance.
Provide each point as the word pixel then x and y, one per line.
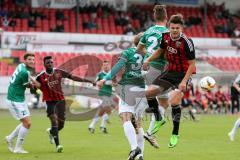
pixel 96 43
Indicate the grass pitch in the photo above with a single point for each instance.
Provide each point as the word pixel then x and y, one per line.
pixel 203 140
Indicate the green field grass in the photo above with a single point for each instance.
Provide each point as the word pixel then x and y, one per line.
pixel 204 140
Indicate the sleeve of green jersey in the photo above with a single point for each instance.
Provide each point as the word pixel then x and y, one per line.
pixel 143 39
pixel 97 77
pixel 118 66
pixel 24 77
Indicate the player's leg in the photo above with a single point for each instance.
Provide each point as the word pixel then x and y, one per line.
pixel 233 132
pixel 138 115
pixel 154 125
pixel 105 118
pixel 175 101
pixel 26 124
pixel 140 139
pixel 19 111
pixel 126 112
pixel 91 127
pixel 130 134
pixel 52 115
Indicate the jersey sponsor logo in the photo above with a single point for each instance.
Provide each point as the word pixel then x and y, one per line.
pixel 171 50
pixel 53 83
pixel 178 44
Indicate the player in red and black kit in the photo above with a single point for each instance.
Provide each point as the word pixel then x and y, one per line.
pixel 180 54
pixel 49 82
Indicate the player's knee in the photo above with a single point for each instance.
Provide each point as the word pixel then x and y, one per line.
pixel 175 98
pixel 164 102
pixel 27 124
pixel 60 125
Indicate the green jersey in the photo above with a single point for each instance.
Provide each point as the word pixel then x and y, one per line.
pixel 106 90
pixel 133 64
pixel 151 39
pixel 18 84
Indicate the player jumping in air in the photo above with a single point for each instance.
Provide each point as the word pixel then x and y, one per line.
pixel 20 80
pixel 107 104
pixel 49 82
pixel 151 41
pixel 131 105
pixel 235 92
pixel 180 54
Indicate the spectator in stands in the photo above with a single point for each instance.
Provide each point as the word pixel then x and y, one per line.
pixel 59 15
pixel 148 23
pixel 12 23
pixel 129 30
pixel 31 22
pixel 59 27
pixel 193 21
pixel 5 22
pixel 236 33
pixel 3 12
pixel 231 26
pixel 20 3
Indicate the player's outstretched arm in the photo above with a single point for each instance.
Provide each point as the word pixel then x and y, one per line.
pixel 79 79
pixel 111 74
pixel 155 55
pixel 141 49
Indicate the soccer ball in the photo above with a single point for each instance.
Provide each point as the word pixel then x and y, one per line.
pixel 207 83
pixel 34 100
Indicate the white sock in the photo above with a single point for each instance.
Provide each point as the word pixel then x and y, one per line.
pixel 94 121
pixel 130 133
pixel 236 126
pixel 21 135
pixel 104 120
pixel 14 133
pixel 151 125
pixel 140 140
pixel 162 110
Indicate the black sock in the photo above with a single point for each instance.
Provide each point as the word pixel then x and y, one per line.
pixel 153 103
pixel 191 114
pixel 54 132
pixel 176 117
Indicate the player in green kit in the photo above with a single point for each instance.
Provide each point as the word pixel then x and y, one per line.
pixel 107 103
pixel 131 90
pixel 20 80
pixel 151 41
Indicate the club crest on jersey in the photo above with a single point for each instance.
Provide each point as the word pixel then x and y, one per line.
pixel 178 44
pixel 171 50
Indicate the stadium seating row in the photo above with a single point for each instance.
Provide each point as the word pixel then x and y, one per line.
pixel 108 26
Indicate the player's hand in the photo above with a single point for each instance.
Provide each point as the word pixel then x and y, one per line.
pixel 145 66
pixel 100 83
pixel 182 86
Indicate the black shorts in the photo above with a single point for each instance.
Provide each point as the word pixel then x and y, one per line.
pixel 56 108
pixel 169 80
pixel 186 102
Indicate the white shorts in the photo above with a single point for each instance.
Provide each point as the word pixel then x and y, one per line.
pixel 151 75
pixel 19 110
pixel 140 102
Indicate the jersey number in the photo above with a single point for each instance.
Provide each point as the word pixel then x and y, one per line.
pixel 154 41
pixel 14 76
pixel 138 63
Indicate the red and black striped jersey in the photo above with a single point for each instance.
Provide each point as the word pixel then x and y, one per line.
pixel 178 52
pixel 51 84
